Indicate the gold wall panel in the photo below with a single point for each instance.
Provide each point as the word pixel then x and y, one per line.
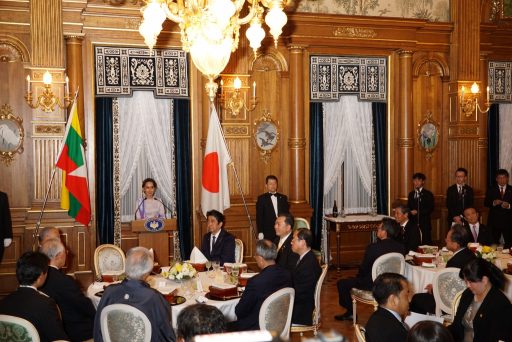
pixel 464 152
pixel 46 33
pixel 45 155
pixel 240 154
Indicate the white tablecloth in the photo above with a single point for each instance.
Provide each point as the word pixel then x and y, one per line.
pixel 226 307
pixel 422 276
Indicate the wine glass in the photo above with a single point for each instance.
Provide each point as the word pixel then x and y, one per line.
pixel 208 266
pixel 235 270
pixel 216 266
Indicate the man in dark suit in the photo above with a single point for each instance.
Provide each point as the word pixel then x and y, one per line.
pixel 477 232
pixel 5 224
pixel 421 203
pixel 386 243
pixel 391 291
pixel 30 304
pixel 459 196
pixel 409 233
pixel 136 292
pixel 76 309
pixel 271 278
pixel 498 199
pixel 285 256
pixel 268 206
pixel 305 276
pixel 218 244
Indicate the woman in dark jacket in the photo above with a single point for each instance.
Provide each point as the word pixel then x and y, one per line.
pixel 482 312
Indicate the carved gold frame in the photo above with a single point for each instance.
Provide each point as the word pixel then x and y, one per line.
pixel 6 114
pixel 266 145
pixel 429 132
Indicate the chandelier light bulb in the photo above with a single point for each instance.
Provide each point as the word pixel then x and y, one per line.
pixel 276 19
pixel 474 88
pixel 151 26
pixel 237 83
pixel 255 34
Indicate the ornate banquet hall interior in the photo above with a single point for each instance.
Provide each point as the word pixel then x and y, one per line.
pixel 345 105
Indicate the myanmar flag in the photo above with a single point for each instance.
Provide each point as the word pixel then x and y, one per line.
pixel 71 160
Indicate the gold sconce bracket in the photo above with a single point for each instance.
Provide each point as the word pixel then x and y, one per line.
pixel 232 94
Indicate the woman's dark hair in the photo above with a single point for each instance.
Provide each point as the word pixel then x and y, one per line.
pixel 476 269
pixel 429 331
pixel 147 180
pixel 200 319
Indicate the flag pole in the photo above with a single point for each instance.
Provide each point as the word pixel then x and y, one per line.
pixel 38 223
pixel 251 225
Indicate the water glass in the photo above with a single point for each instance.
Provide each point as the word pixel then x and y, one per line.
pixel 235 271
pixel 216 266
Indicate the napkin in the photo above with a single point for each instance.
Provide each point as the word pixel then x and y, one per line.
pixel 505 251
pixel 428 265
pixel 223 286
pixel 196 257
pixel 414 318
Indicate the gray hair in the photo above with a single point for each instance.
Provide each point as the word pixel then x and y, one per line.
pixel 139 263
pixel 266 249
pixel 52 247
pixel 44 232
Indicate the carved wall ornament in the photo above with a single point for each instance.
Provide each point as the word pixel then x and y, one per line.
pixel 266 135
pixel 9 53
pixel 428 135
pixel 500 81
pixel 49 129
pixel 236 131
pixel 354 32
pixel 11 134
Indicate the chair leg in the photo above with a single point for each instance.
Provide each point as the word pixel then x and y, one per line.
pixel 354 313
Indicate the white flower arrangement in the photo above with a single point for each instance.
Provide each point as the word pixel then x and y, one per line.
pixel 486 253
pixel 179 271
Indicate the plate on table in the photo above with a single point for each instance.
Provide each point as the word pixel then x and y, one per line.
pixel 176 300
pixel 213 297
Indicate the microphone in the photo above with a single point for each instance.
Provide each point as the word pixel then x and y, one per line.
pixel 135 213
pixel 165 207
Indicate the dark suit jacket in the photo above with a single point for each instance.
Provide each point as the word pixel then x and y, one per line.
pixel 373 251
pixel 490 323
pixel 484 235
pixel 5 222
pixel 305 276
pixel 457 203
pixel 460 259
pixel 223 250
pixel 76 309
pixel 426 202
pixel 259 287
pixel 38 309
pixel 411 237
pixel 383 326
pixel 285 256
pixel 499 218
pixel 266 216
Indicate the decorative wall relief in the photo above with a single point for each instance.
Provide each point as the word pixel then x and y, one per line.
pixel 500 81
pixel 428 135
pixel 11 134
pixel 120 70
pixel 332 76
pixel 266 135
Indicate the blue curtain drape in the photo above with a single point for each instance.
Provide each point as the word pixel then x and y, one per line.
pixel 381 162
pixel 104 165
pixel 183 175
pixel 493 149
pixel 316 175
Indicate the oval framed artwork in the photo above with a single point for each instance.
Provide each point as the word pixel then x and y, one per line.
pixel 428 135
pixel 12 134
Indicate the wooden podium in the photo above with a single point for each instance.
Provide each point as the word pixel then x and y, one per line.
pixel 159 240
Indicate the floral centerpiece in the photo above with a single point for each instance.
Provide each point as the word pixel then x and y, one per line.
pixel 179 271
pixel 486 253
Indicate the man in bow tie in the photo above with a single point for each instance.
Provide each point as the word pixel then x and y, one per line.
pixel 268 207
pixel 459 196
pixel 421 203
pixel 498 199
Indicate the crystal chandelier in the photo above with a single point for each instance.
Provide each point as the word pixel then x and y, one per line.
pixel 210 28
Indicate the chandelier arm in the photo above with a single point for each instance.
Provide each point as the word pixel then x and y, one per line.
pixel 253 11
pixel 171 16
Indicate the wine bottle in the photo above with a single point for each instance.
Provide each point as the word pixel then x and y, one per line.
pixel 335 210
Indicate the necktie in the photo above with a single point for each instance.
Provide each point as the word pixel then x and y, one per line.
pixel 213 242
pixel 473 230
pixel 460 189
pixel 502 191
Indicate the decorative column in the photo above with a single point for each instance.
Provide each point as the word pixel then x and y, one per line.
pixel 297 139
pixel 75 72
pixel 406 131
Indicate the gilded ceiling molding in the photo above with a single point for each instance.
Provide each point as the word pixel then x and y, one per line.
pixel 354 32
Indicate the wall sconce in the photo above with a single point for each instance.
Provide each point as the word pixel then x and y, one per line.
pixel 47 100
pixel 235 102
pixel 469 103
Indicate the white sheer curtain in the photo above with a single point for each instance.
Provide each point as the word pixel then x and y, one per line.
pixel 348 145
pixel 146 150
pixel 506 136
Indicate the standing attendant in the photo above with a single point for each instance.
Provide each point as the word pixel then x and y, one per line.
pixel 498 199
pixel 268 206
pixel 5 224
pixel 421 203
pixel 459 196
pixel 149 206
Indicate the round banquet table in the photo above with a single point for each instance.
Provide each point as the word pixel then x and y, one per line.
pixel 227 307
pixel 420 276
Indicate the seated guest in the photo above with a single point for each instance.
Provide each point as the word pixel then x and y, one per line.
pixel 305 276
pixel 136 292
pixel 477 232
pixel 363 280
pixel 429 331
pixel 391 291
pixel 409 233
pixel 76 309
pixel 218 244
pixel 271 278
pixel 285 256
pixel 30 304
pixel 481 314
pixel 456 242
pixel 48 233
pixel 199 319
